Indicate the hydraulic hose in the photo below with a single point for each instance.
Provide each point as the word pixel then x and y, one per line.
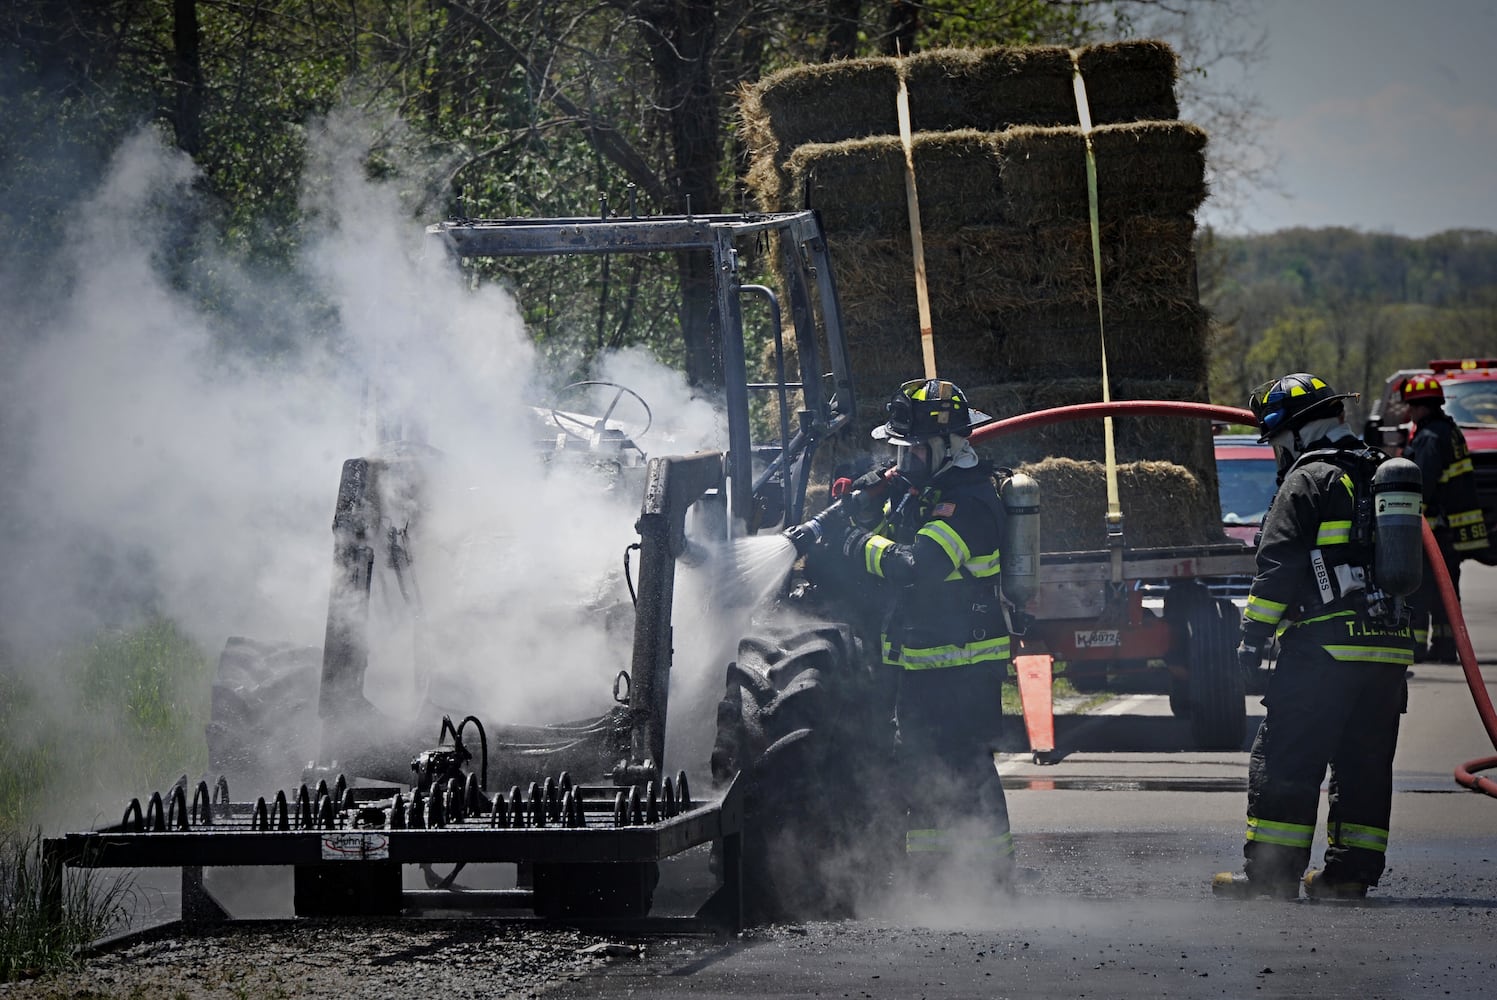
pixel 1464 774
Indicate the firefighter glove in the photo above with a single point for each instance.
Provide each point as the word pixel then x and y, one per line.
pixel 865 498
pixel 870 479
pixel 1256 638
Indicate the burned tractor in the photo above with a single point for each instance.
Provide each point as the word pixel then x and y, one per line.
pixel 585 809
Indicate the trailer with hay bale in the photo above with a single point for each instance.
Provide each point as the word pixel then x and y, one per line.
pixel 1051 194
pixel 1107 608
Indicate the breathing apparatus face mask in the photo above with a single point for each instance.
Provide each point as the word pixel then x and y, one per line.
pixel 918 463
pixel 1285 450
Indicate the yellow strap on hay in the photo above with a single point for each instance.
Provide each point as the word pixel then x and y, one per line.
pixel 1114 506
pixel 917 245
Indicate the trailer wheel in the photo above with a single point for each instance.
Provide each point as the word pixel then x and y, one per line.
pixel 1218 691
pixel 1179 697
pixel 263 726
pixel 796 726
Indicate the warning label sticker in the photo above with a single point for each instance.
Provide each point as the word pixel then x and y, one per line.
pixel 359 846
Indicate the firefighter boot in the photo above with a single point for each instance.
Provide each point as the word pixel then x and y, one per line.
pixel 1236 885
pixel 1317 886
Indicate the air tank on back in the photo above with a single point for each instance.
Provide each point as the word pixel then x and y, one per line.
pixel 1021 542
pixel 1398 554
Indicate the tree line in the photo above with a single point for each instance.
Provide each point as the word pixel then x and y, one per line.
pixel 1351 306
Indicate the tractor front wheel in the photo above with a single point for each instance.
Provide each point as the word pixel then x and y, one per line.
pixel 795 725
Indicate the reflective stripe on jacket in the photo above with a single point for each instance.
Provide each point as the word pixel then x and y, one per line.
pixel 1450 501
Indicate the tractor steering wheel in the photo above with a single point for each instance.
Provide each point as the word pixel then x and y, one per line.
pixel 564 418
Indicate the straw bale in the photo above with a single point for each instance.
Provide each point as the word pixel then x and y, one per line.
pixel 1130 81
pixel 950 89
pixel 859 184
pixel 987 89
pixel 1143 168
pixel 990 89
pixel 977 275
pixel 770 187
pixel 1163 504
pixel 1024 176
pixel 876 275
pixel 1167 342
pixel 1163 341
pixel 820 102
pixel 994 89
pixel 1146 259
pixel 815 103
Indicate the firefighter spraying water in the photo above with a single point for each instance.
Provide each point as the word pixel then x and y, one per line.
pixel 923 540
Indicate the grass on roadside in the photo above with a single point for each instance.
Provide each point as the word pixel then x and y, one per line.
pixel 34 941
pixel 1013 705
pixel 125 709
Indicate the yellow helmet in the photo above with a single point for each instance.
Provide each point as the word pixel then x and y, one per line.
pixel 924 408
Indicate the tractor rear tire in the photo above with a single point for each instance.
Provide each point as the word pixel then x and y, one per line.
pixel 263 728
pixel 797 726
pixel 1218 690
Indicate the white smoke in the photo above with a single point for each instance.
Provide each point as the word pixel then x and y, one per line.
pixel 153 464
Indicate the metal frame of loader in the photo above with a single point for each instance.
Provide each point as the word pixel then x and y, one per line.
pixel 587 849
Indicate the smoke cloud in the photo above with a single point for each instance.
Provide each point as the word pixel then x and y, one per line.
pixel 162 458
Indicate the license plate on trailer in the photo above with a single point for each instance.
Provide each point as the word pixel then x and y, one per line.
pixel 1097 638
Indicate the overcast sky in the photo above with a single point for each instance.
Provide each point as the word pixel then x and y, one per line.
pixel 1383 114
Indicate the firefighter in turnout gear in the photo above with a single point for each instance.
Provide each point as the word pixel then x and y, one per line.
pixel 933 545
pixel 1339 687
pixel 1450 507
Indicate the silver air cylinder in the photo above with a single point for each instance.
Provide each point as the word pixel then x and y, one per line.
pixel 1021 546
pixel 1397 498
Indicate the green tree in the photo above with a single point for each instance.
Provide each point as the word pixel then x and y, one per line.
pixel 1359 305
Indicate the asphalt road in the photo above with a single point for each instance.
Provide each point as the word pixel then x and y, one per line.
pixel 1118 841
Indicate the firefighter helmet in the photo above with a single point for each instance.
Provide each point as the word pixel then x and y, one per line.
pixel 924 408
pixel 1422 389
pixel 1288 403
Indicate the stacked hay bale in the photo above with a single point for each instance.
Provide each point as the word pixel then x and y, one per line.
pixel 1000 163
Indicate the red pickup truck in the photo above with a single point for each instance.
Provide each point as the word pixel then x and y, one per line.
pixel 1470 386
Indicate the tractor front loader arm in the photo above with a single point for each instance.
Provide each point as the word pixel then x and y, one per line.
pixel 345 651
pixel 672 485
pixel 356 736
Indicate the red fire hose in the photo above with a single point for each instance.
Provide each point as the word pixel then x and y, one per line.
pixel 1464 774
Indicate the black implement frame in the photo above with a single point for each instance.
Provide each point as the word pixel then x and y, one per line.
pixel 347 846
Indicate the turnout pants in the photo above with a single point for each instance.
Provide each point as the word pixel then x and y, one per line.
pixel 948 722
pixel 1431 623
pixel 1323 714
